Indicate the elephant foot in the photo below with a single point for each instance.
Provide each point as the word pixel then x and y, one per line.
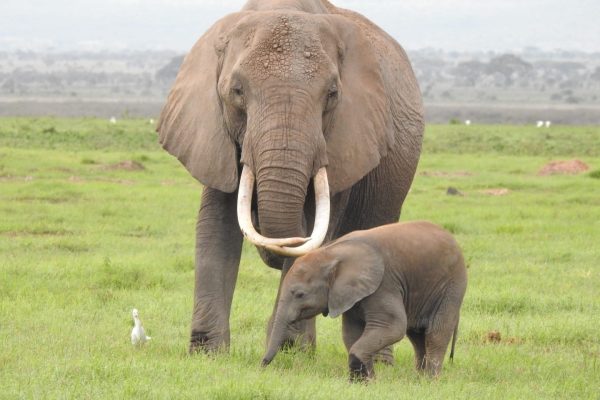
pixel 360 372
pixel 385 356
pixel 433 367
pixel 204 342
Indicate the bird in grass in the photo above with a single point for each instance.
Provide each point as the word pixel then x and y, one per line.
pixel 138 335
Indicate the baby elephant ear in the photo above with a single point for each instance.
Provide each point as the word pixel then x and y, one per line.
pixel 358 274
pixel 191 124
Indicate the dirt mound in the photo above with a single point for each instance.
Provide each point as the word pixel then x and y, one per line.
pixel 496 337
pixel 127 165
pixel 496 192
pixel 10 178
pixel 568 167
pixel 76 179
pixel 493 337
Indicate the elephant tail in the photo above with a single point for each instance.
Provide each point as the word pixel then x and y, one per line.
pixel 453 342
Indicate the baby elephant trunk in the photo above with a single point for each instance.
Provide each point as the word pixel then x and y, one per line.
pixel 278 334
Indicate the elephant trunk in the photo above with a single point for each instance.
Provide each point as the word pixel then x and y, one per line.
pixel 281 153
pixel 281 190
pixel 245 218
pixel 277 339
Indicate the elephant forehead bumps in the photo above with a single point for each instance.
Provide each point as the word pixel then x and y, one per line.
pixel 284 50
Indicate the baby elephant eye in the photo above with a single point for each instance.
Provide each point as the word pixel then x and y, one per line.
pixel 299 295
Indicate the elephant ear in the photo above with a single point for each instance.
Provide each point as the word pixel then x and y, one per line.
pixel 356 275
pixel 380 107
pixel 191 125
pixel 360 131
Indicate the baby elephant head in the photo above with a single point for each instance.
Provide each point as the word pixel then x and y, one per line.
pixel 327 281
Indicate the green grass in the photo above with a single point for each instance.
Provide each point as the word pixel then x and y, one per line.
pixel 82 242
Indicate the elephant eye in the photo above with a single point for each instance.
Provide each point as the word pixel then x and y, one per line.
pixel 237 95
pixel 299 295
pixel 238 91
pixel 332 97
pixel 333 92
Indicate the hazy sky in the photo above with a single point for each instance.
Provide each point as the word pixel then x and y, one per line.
pixel 176 24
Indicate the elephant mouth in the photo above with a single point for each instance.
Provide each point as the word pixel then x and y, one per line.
pixel 284 246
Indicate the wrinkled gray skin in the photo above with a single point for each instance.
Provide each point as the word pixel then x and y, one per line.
pixel 395 280
pixel 286 87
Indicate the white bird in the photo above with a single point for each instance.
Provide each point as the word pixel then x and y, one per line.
pixel 113 120
pixel 468 122
pixel 151 121
pixel 138 335
pixel 540 124
pixel 548 123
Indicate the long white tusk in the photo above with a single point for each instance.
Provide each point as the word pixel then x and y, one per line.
pixel 245 219
pixel 321 220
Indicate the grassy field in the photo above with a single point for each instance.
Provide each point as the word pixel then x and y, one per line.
pixel 95 219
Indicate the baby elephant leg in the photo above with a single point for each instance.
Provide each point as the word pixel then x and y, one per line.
pixel 385 355
pixel 373 339
pixel 352 329
pixel 435 351
pixel 417 339
pixel 438 338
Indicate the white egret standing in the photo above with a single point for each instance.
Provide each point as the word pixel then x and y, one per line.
pixel 138 335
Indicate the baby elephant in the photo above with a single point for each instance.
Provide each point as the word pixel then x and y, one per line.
pixel 390 281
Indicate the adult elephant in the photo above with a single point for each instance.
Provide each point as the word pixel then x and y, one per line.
pixel 283 93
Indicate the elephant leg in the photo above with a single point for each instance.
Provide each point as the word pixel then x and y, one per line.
pixel 382 329
pixel 417 339
pixel 301 333
pixel 439 335
pixel 218 251
pixel 352 330
pixel 385 355
pixel 435 350
pixel 362 352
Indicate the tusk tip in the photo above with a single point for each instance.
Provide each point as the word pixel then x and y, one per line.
pixel 299 240
pixel 275 249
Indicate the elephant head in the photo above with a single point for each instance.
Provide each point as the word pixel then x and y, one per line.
pixel 328 281
pixel 290 97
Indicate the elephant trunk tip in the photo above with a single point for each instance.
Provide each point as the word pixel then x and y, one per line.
pixel 265 362
pixel 270 354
